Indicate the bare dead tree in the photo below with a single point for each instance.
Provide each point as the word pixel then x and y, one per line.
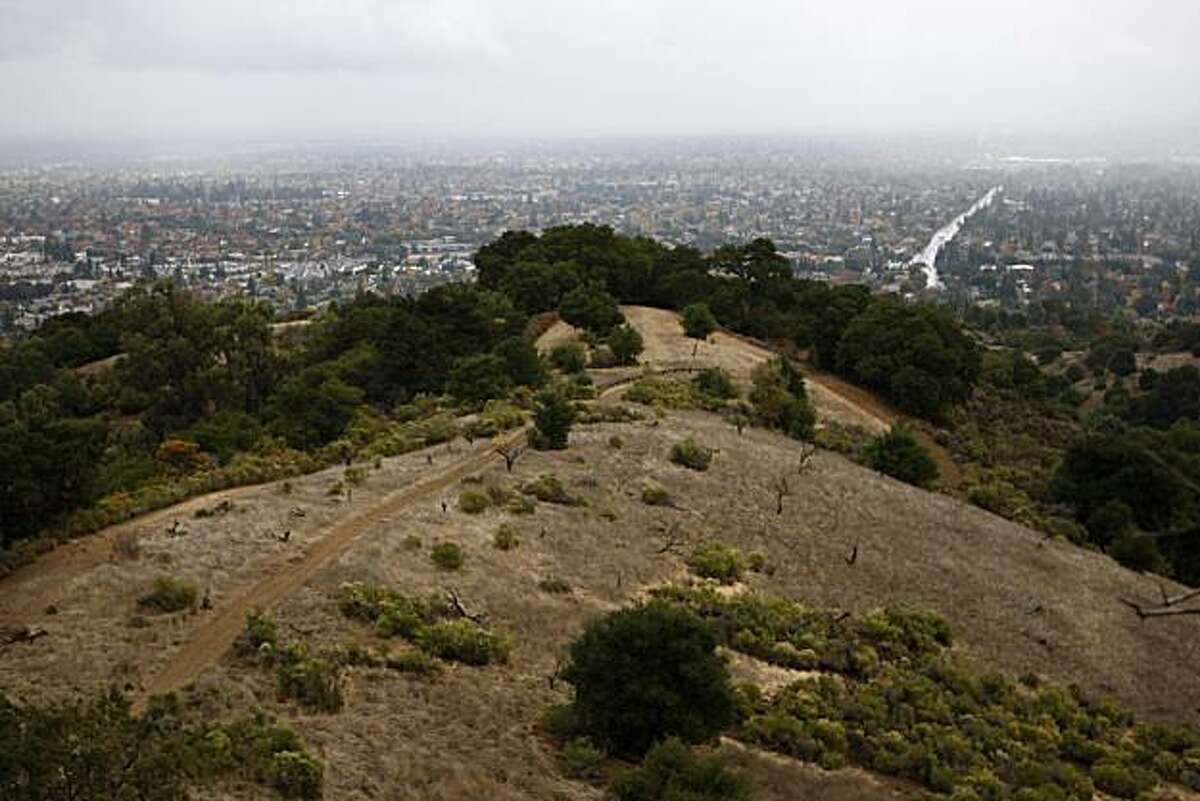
pixel 510 452
pixel 479 618
pixel 808 453
pixel 782 489
pixel 1169 607
pixel 9 635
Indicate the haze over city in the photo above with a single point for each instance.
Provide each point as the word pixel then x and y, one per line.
pixel 77 70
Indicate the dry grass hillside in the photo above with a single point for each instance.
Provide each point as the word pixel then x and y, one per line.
pixel 1017 603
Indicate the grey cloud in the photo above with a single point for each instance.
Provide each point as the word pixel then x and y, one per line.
pixel 397 67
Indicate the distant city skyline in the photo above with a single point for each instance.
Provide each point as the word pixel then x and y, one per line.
pixel 361 70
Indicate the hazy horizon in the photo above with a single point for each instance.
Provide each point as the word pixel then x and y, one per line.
pixel 417 70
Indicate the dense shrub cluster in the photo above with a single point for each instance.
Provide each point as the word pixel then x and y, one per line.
pixel 97 749
pixel 433 624
pixel 893 699
pixel 672 771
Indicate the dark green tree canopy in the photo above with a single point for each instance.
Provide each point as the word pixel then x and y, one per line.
pixel 646 673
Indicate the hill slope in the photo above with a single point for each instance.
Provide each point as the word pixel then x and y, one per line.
pixel 1017 603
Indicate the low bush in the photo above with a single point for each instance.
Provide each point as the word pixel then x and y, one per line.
pixel 447 555
pixel 898 454
pixel 97 749
pixel 521 505
pixel 295 774
pixel 463 641
pixel 691 454
pixel 581 760
pixel 570 357
pixel 473 502
pixel 506 538
pixel 672 771
pixel 655 495
pixel 549 489
pixel 170 595
pixel 715 383
pixel 260 635
pixel 663 393
pixel 314 682
pixel 718 561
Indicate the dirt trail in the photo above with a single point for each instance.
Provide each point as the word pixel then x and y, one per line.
pixel 27 591
pixel 210 642
pixel 667 347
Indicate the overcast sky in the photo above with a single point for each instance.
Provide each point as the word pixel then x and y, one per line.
pixel 378 69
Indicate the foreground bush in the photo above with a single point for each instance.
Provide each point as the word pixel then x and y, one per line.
pixel 893 698
pixel 672 772
pixel 649 672
pixel 98 750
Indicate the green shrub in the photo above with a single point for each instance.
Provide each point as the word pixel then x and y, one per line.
pixel 259 634
pixel 780 399
pixel 570 357
pixel 473 502
pixel 655 495
pixel 314 682
pixel 671 772
pixel 506 538
pixel 715 383
pixel 97 749
pixel 697 320
pixel 615 442
pixel 169 595
pixel 581 760
pixel 521 505
pixel 691 454
pixel 295 774
pixel 447 555
pixel 625 343
pixel 464 641
pixel 898 454
pixel 649 672
pixel 663 393
pixel 552 419
pixel 548 489
pixel 718 561
pixel 1122 781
